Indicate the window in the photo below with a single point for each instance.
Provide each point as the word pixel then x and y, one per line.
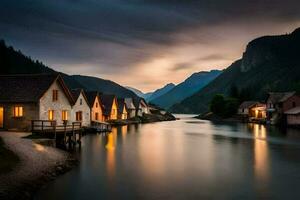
pixel 79 116
pixel 294 104
pixel 96 116
pixel 54 95
pixel 113 111
pixel 18 111
pixel 80 101
pixel 50 114
pixel 64 115
pixel 96 105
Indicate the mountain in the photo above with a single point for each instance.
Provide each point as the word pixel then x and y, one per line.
pixel 140 93
pixel 185 89
pixel 270 63
pixel 159 92
pixel 14 62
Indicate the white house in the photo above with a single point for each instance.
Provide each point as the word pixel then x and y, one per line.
pixel 81 109
pixel 131 111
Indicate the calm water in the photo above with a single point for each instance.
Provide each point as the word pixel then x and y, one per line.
pixel 185 159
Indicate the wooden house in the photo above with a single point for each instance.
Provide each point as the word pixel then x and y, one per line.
pixel 33 97
pixel 81 111
pixel 293 116
pixel 96 107
pixel 141 106
pixel 280 102
pixel 244 108
pixel 131 111
pixel 110 106
pixel 122 109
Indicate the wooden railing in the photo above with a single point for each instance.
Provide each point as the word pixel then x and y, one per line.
pixel 49 126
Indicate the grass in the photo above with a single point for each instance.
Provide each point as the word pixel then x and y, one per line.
pixel 8 159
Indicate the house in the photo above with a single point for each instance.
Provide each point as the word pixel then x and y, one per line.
pixel 110 106
pixel 252 111
pixel 280 102
pixel 244 108
pixel 141 107
pixel 293 116
pixel 33 97
pixel 81 111
pixel 130 107
pixel 122 110
pixel 95 106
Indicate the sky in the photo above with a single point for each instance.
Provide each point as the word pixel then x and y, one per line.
pixel 141 43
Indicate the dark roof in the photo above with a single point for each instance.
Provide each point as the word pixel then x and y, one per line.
pixel 91 96
pixel 28 88
pixel 121 104
pixel 276 97
pixel 293 111
pixel 137 101
pixel 107 102
pixel 76 93
pixel 247 104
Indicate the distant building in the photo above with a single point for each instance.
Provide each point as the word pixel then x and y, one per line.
pixel 141 107
pixel 96 107
pixel 293 116
pixel 110 106
pixel 280 102
pixel 31 97
pixel 131 110
pixel 253 111
pixel 122 109
pixel 81 111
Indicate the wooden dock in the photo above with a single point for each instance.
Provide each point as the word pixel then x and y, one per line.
pixel 64 134
pixel 100 126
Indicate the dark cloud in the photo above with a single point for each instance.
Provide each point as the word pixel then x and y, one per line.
pixel 182 66
pixel 111 36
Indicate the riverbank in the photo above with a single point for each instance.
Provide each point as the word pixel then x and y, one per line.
pixel 146 118
pixel 212 117
pixel 38 164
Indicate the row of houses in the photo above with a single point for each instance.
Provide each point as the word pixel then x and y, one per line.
pixel 46 97
pixel 279 107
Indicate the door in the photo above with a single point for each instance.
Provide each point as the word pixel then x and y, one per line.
pixel 1 117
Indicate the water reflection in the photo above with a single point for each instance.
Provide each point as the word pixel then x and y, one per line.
pixel 261 156
pixel 180 160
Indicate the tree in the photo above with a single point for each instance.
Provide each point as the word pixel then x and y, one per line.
pixel 217 104
pixel 230 107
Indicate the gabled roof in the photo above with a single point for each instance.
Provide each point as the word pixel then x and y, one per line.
pixel 121 105
pixel 29 88
pixel 129 103
pixel 293 111
pixel 107 102
pixel 91 97
pixel 76 93
pixel 138 101
pixel 277 97
pixel 247 104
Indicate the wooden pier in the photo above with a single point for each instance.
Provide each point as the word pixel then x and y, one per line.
pixel 100 126
pixel 64 134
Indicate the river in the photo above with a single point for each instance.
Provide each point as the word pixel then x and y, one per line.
pixel 184 159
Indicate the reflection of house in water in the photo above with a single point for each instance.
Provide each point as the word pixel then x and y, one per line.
pixel 110 156
pixel 261 154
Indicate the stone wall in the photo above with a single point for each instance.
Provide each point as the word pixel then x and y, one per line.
pixel 30 112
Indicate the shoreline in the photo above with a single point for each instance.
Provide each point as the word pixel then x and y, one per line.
pixel 39 165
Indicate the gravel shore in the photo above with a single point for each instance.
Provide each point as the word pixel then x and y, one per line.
pixel 38 165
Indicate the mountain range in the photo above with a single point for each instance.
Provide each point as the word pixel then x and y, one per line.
pixel 14 62
pixel 185 89
pixel 270 63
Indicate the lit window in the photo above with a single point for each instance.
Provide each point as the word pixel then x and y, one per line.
pixel 18 111
pixel 64 115
pixel 50 114
pixel 79 116
pixel 96 116
pixel 55 95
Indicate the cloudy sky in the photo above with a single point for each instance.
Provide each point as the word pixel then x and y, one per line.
pixel 141 43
